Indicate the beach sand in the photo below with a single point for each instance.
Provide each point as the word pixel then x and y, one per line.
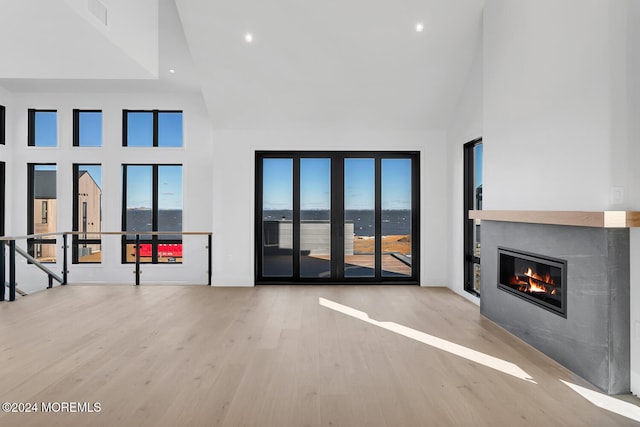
pixel 396 243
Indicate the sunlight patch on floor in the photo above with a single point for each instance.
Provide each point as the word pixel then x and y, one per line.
pixel 456 349
pixel 609 403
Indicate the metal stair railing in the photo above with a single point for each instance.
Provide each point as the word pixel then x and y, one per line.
pixel 13 249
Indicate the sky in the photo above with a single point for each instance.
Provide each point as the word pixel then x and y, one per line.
pixel 315 184
pixel 478 166
pixel 139 134
pixel 46 129
pixel 90 129
pixel 140 186
pixel 140 129
pixel 95 171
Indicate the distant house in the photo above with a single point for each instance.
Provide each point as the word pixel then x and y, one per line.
pixel 45 208
pixel 44 211
pixel 89 212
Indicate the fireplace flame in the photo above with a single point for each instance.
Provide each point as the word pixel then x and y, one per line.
pixel 533 282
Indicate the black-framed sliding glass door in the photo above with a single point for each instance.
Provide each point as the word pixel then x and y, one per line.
pixel 337 217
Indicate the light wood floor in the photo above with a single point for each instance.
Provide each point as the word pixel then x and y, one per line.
pixel 272 356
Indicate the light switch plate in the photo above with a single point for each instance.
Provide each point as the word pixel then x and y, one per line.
pixel 616 195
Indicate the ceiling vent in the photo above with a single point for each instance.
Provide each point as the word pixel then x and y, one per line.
pixel 98 10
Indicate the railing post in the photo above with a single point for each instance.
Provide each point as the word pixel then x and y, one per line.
pixel 3 276
pixel 137 259
pixel 64 260
pixel 12 270
pixel 50 282
pixel 209 245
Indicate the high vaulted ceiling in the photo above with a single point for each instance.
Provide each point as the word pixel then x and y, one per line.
pixel 349 63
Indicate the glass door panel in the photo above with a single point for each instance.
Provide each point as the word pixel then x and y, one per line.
pixel 359 217
pixel 315 217
pixel 277 217
pixel 396 217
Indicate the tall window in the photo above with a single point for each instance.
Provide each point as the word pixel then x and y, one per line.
pixel 472 201
pixel 2 196
pixel 2 124
pixel 87 128
pixel 43 128
pixel 152 128
pixel 87 213
pixel 41 210
pixel 152 201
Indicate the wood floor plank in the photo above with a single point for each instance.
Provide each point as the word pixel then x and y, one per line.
pixel 273 356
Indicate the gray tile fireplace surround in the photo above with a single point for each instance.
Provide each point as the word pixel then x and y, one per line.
pixel 593 341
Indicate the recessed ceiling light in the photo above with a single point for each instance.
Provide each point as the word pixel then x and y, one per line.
pixel 419 27
pixel 172 71
pixel 248 38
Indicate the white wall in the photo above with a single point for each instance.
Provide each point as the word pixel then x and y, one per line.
pixel 546 105
pixel 466 125
pixel 218 184
pixel 234 184
pixel 560 87
pixel 195 157
pixel 632 189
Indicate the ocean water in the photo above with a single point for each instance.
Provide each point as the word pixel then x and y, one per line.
pixel 168 220
pixel 394 222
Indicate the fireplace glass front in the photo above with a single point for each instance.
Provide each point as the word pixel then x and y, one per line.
pixel 538 279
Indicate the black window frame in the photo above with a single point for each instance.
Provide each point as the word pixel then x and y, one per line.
pixel 3 124
pixel 76 127
pixel 32 242
pixel 31 125
pixel 155 239
pixel 155 113
pixel 469 196
pixel 76 240
pixel 2 197
pixel 337 205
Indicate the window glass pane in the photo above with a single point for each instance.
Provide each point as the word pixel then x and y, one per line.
pixel 359 217
pixel 44 210
pixel 139 129
pixel 139 203
pixel 90 128
pixel 315 217
pixel 277 214
pixel 89 215
pixel 46 129
pixel 477 176
pixel 170 213
pixel 396 217
pixel 476 277
pixel 2 198
pixel 170 129
pixel 477 189
pixel 145 252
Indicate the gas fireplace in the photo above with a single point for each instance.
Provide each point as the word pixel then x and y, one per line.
pixel 538 279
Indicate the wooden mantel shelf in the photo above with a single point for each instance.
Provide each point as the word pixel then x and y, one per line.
pixel 604 219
